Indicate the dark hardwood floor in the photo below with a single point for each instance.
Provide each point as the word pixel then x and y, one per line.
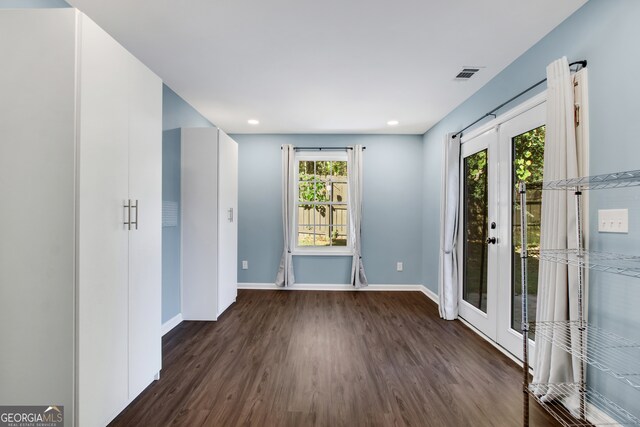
pixel 305 358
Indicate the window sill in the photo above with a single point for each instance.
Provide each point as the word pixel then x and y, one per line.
pixel 322 252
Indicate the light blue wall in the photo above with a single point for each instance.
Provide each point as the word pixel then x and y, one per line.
pixel 32 4
pixel 391 225
pixel 606 33
pixel 176 113
pixel 171 235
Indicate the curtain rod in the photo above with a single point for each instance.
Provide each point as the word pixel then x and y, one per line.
pixel 324 148
pixel 582 64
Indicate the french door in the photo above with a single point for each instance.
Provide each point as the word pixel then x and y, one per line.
pixel 492 164
pixel 478 240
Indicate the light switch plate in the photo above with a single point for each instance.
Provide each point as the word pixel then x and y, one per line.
pixel 245 265
pixel 613 220
pixel 399 266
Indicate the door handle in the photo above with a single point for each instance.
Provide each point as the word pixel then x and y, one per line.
pixel 136 217
pixel 127 214
pixel 491 241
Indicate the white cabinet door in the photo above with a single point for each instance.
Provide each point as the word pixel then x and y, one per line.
pixel 37 218
pixel 145 246
pixel 227 221
pixel 199 183
pixel 102 238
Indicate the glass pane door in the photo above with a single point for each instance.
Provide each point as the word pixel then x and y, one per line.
pixel 475 216
pixel 528 158
pixel 522 153
pixel 477 233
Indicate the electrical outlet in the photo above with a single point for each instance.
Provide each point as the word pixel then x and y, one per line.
pixel 399 266
pixel 245 265
pixel 613 220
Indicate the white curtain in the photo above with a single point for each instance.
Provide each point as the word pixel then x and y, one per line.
pixel 285 275
pixel 448 270
pixel 557 283
pixel 358 278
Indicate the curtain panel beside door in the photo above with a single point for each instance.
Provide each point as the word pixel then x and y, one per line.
pixel 558 283
pixel 448 266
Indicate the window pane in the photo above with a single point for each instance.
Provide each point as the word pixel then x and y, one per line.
pixel 323 170
pixel 339 235
pixel 322 236
pixel 322 214
pixel 339 192
pixel 306 191
pixel 305 235
pixel 339 171
pixel 322 191
pixel 305 169
pixel 305 214
pixel 339 214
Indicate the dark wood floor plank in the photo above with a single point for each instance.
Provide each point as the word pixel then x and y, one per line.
pixel 307 358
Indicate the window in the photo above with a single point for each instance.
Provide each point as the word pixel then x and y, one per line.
pixel 322 203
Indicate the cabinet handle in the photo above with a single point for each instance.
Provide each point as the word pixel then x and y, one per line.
pixel 136 220
pixel 230 214
pixel 127 214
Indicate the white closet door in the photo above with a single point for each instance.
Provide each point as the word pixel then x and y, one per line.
pixel 227 221
pixel 145 245
pixel 103 241
pixel 199 223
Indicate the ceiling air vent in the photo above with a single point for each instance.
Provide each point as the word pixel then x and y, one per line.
pixel 466 73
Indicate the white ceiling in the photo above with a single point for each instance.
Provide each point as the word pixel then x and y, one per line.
pixel 326 66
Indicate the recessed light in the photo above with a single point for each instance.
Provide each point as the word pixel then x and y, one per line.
pixel 392 122
pixel 253 122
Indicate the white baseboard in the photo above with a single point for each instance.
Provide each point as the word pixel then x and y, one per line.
pixel 330 287
pixel 171 323
pixel 596 415
pixel 492 342
pixel 343 287
pixel 430 294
